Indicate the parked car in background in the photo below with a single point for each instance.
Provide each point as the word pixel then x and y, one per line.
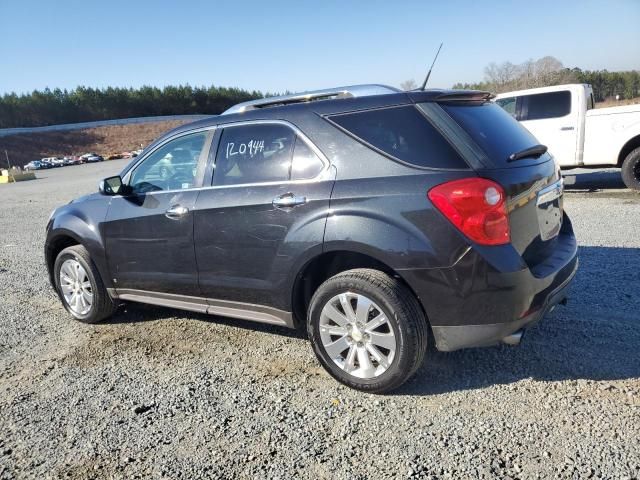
pixel 371 218
pixel 91 157
pixel 58 162
pixel 564 119
pixel 33 165
pixel 46 163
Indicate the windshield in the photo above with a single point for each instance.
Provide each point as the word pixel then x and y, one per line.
pixel 495 131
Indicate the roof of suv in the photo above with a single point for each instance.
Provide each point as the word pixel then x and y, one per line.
pixel 332 101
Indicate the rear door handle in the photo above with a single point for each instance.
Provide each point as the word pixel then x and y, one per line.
pixel 566 128
pixel 176 212
pixel 288 200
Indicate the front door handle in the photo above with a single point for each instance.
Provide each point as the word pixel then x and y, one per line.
pixel 288 200
pixel 176 212
pixel 566 128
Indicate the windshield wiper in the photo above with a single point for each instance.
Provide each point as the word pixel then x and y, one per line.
pixel 531 152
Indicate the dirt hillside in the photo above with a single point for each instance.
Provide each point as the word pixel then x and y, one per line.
pixel 23 148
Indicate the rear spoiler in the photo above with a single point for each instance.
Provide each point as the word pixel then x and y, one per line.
pixel 465 96
pixel 451 96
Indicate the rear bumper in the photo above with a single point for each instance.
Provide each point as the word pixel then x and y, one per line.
pixel 449 338
pixel 488 295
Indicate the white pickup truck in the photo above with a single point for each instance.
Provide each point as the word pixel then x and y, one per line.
pixel 577 135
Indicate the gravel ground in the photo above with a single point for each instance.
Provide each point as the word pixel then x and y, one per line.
pixel 160 393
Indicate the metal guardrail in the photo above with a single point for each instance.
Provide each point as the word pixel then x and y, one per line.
pixel 5 132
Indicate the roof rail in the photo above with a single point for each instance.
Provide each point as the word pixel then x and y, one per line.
pixel 327 94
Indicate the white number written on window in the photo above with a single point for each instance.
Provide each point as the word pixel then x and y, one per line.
pixel 252 147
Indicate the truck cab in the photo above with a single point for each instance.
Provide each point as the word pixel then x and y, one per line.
pixel 563 118
pixel 555 116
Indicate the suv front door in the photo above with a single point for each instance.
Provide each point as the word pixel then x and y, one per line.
pixel 149 231
pixel 267 205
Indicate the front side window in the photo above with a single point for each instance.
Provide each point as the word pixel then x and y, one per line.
pixel 173 166
pixel 254 153
pixel 546 105
pixel 402 133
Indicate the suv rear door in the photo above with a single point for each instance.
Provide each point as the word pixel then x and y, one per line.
pixel 266 206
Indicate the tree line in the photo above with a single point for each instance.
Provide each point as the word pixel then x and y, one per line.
pixel 547 71
pixel 84 104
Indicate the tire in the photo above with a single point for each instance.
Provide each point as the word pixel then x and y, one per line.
pixel 366 363
pixel 101 305
pixel 631 170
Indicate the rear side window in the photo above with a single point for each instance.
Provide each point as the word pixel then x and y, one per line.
pixel 546 105
pixel 254 154
pixel 493 129
pixel 402 133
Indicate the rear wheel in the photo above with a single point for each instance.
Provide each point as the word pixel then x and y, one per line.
pixel 367 330
pixel 80 287
pixel 631 170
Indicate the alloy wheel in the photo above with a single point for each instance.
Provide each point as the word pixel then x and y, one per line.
pixel 357 336
pixel 76 287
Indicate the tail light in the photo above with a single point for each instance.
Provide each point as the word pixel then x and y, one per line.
pixel 476 206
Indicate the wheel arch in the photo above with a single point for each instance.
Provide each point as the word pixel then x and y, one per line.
pixel 330 263
pixel 628 147
pixel 61 237
pixel 55 244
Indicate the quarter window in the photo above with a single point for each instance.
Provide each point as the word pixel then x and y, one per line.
pixel 254 154
pixel 402 133
pixel 546 105
pixel 306 163
pixel 172 166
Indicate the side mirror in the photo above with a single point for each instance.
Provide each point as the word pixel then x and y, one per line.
pixel 111 186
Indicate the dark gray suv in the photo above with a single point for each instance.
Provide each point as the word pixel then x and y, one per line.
pixel 370 217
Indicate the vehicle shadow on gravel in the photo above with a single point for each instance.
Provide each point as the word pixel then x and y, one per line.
pixel 593 180
pixel 595 337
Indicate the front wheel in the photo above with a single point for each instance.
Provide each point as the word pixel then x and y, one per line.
pixel 367 330
pixel 631 170
pixel 80 287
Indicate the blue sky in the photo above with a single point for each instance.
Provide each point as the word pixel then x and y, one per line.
pixel 297 45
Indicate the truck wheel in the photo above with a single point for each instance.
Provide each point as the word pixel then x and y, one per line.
pixel 80 287
pixel 367 330
pixel 631 170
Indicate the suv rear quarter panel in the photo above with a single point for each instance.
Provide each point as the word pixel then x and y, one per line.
pixel 392 220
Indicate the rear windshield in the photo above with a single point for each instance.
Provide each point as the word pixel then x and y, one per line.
pixel 494 130
pixel 402 133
